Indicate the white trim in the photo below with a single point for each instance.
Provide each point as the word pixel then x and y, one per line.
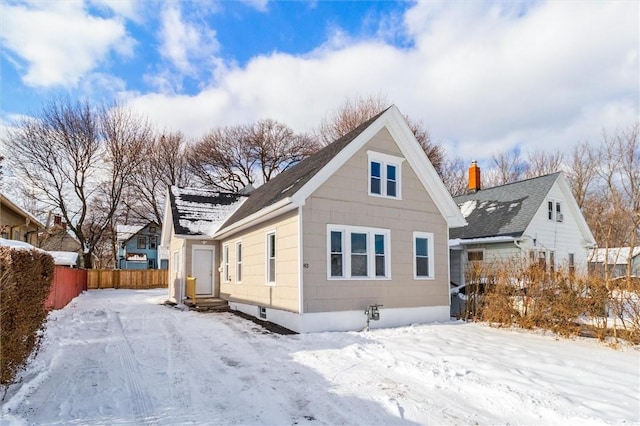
pixel 212 249
pixel 301 263
pixel 348 320
pixel 238 267
pixel 371 233
pixel 398 128
pixel 385 160
pixel 267 268
pixel 430 255
pixel 260 216
pixel 453 244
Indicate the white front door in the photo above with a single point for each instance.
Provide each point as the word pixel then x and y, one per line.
pixel 203 270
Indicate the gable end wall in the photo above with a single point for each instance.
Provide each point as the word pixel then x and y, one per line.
pixel 343 200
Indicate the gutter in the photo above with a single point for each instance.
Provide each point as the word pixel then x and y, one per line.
pixel 459 242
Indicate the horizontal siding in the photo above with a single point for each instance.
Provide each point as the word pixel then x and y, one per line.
pixel 343 200
pixel 253 288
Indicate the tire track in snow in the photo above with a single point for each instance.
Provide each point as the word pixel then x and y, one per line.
pixel 140 402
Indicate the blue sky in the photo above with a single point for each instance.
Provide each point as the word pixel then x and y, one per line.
pixel 482 76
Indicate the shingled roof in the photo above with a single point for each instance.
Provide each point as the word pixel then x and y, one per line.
pixel 504 210
pixel 197 211
pixel 290 181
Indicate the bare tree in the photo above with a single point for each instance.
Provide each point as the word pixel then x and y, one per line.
pixel 509 167
pixel 581 172
pixel 454 176
pixel 75 157
pixel 163 163
pixel 231 158
pixel 540 163
pixel 353 113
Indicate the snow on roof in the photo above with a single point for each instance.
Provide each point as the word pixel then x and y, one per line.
pixel 64 258
pixel 18 245
pixel 124 232
pixel 199 211
pixel 616 255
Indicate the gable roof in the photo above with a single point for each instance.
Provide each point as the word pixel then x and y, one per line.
pixel 7 203
pixel 290 181
pixel 290 188
pixel 125 232
pixel 200 212
pixel 504 210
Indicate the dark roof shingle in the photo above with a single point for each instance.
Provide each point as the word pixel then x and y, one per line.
pixel 290 181
pixel 504 210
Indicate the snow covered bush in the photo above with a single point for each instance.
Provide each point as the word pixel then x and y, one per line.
pixel 25 281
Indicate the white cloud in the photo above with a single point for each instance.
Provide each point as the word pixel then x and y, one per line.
pixel 58 42
pixel 481 76
pixel 183 41
pixel 259 5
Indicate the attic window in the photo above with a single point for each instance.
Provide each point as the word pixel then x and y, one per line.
pixel 384 175
pixel 554 211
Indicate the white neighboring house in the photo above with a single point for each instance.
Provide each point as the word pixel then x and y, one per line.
pixel 616 259
pixel 537 219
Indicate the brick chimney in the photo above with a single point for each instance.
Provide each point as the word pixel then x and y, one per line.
pixel 474 177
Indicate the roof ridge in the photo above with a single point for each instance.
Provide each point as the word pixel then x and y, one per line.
pixel 520 181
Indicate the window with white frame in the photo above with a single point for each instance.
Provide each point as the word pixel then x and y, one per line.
pixel 423 263
pixel 554 211
pixel 356 252
pixel 239 261
pixel 384 175
pixel 226 273
pixel 271 258
pixel 475 255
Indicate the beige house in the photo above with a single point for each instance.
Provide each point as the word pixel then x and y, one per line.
pixel 17 224
pixel 364 221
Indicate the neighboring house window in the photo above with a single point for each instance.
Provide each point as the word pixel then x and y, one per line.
pixel 225 263
pixel 153 243
pixel 475 255
pixel 271 258
pixel 554 211
pixel 239 261
pixel 152 229
pixel 142 242
pixel 572 265
pixel 358 252
pixel 423 255
pixel 542 260
pixel 384 175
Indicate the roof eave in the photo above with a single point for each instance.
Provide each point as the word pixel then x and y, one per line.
pixel 260 216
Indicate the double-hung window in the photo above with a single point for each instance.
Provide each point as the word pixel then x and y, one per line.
pixel 356 252
pixel 271 258
pixel 554 211
pixel 239 261
pixel 384 175
pixel 423 262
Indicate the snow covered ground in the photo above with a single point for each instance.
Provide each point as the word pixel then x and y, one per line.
pixel 120 357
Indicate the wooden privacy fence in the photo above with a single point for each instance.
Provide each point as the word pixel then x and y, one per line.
pixel 135 279
pixel 67 284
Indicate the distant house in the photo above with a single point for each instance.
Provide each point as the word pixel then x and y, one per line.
pixel 138 246
pixel 536 219
pixel 17 224
pixel 57 238
pixel 613 261
pixel 364 221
